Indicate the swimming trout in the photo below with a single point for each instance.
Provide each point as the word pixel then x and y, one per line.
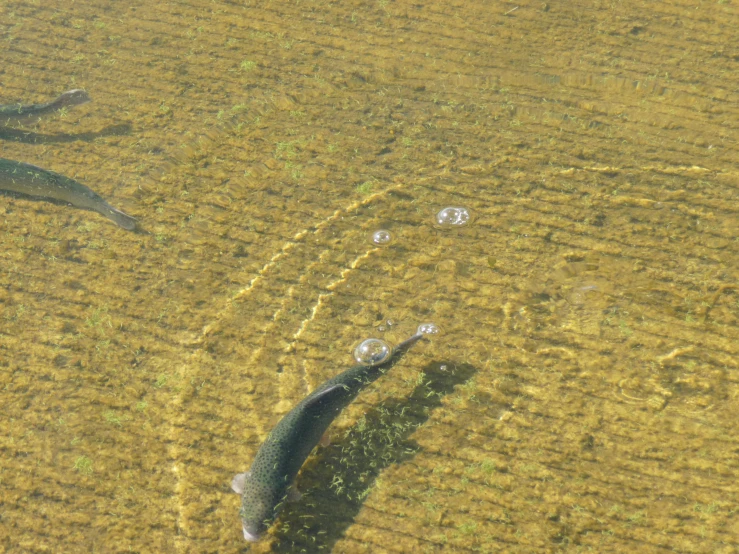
pixel 30 113
pixel 269 481
pixel 35 181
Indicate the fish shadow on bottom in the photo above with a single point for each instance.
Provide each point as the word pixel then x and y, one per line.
pixel 337 480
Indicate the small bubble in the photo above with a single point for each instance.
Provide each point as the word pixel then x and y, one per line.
pixel 453 217
pixel 381 237
pixel 372 352
pixel 428 329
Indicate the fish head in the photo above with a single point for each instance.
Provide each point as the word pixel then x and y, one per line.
pixel 259 506
pixel 254 520
pixel 248 535
pixel 73 97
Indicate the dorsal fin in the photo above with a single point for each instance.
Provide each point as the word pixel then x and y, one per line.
pixel 331 397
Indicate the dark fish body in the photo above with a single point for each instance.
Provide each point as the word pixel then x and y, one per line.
pixel 34 181
pixel 31 113
pixel 266 485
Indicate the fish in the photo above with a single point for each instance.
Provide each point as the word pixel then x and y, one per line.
pixel 11 114
pixel 270 479
pixel 31 180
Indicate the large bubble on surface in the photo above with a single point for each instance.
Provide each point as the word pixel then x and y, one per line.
pixel 372 352
pixel 381 237
pixel 428 329
pixel 453 217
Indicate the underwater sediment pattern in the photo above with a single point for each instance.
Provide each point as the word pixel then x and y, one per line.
pixel 583 392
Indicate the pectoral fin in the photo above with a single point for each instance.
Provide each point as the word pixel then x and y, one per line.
pixel 293 494
pixel 238 482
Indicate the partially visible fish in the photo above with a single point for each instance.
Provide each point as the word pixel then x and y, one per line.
pixel 11 114
pixel 269 481
pixel 35 181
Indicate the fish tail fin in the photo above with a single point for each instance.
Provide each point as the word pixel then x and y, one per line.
pixel 121 218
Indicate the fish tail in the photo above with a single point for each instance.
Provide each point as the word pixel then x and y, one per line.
pixel 119 217
pixel 407 343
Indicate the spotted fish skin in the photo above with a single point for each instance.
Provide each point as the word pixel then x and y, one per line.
pixel 11 114
pixel 265 487
pixel 35 181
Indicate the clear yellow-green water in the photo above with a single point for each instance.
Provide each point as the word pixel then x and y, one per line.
pixel 590 311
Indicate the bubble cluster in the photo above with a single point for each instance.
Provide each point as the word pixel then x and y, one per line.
pixel 381 237
pixel 428 329
pixel 372 352
pixel 453 217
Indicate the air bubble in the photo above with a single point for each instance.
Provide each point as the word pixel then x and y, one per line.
pixel 428 329
pixel 372 352
pixel 453 217
pixel 381 237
